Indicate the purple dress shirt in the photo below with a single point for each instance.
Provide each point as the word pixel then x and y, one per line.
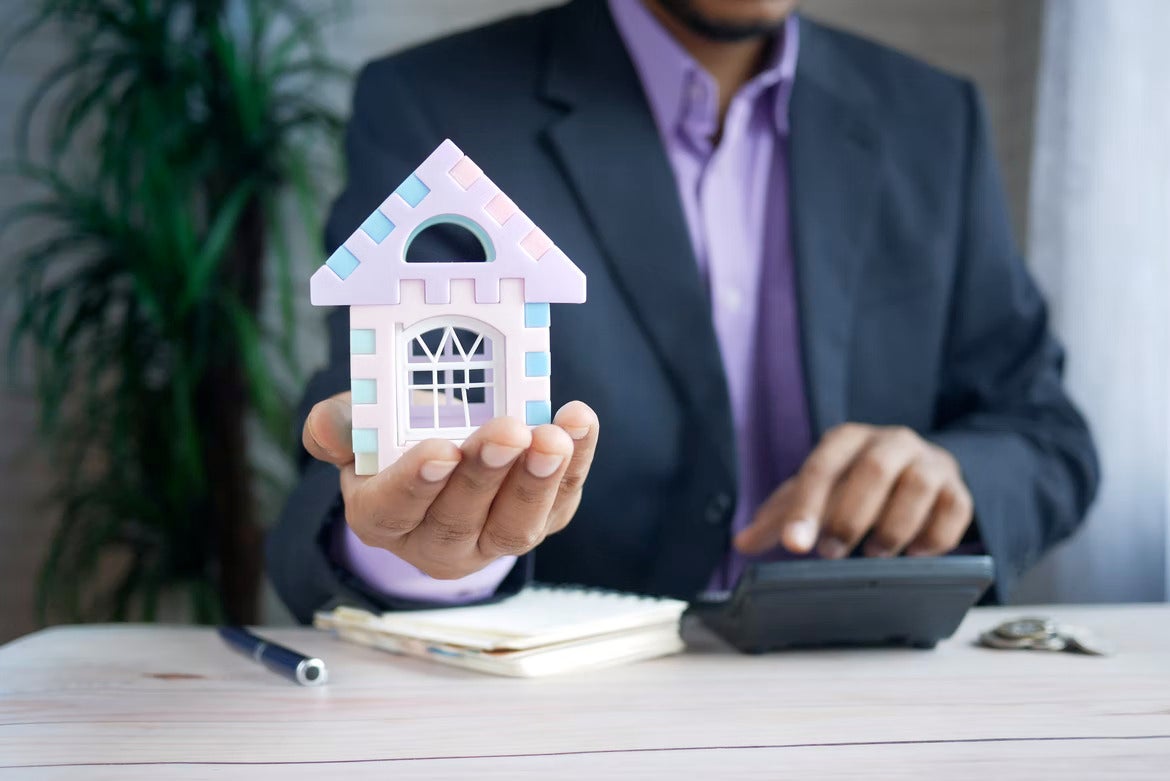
pixel 734 195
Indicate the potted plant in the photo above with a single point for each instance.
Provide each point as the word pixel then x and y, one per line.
pixel 175 132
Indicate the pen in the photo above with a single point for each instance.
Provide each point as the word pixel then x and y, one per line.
pixel 305 670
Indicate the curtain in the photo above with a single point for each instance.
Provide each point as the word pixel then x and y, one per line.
pixel 1099 242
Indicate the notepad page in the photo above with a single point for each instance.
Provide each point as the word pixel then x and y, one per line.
pixel 606 650
pixel 590 653
pixel 536 616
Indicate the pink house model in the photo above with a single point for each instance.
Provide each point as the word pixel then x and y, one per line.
pixel 436 349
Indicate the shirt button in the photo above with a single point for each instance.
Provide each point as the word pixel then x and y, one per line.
pixel 717 508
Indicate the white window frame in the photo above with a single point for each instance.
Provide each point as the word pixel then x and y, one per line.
pixel 407 432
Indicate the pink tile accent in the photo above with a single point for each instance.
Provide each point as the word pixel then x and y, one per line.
pixel 466 172
pixel 382 269
pixel 536 243
pixel 387 294
pixel 501 208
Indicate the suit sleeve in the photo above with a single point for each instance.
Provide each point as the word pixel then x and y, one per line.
pixel 387 130
pixel 1025 451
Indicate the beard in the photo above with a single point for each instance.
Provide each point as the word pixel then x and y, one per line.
pixel 714 29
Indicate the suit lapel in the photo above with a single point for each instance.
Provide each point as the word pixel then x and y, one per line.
pixel 611 153
pixel 834 164
pixel 608 147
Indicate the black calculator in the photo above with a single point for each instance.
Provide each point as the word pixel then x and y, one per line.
pixel 914 602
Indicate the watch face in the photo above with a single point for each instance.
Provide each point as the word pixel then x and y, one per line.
pixel 993 640
pixel 1026 628
pixel 1042 634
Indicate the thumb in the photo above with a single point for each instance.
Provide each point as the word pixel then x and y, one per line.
pixel 328 430
pixel 785 519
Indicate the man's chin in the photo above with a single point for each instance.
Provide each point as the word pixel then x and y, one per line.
pixel 699 21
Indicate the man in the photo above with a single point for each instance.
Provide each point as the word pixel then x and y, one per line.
pixel 808 331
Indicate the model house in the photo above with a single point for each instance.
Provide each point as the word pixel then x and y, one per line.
pixel 438 348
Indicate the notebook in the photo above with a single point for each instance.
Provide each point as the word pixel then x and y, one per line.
pixel 543 630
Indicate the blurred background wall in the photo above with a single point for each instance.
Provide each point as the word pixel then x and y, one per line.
pixel 1099 244
pixel 995 42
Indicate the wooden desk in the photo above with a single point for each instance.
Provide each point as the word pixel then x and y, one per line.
pixel 135 702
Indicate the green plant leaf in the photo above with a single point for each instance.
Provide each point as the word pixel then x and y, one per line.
pixel 172 131
pixel 216 243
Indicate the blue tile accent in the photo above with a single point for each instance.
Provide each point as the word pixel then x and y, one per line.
pixel 536 413
pixel 365 440
pixel 364 391
pixel 536 316
pixel 377 226
pixel 342 262
pixel 361 341
pixel 413 190
pixel 537 365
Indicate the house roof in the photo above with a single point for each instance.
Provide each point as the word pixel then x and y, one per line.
pixel 447 187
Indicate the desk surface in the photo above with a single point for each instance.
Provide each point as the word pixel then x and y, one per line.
pixel 131 702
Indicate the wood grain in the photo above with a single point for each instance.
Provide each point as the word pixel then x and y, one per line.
pixel 1033 761
pixel 137 702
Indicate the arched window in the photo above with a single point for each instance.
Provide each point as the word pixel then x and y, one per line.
pixel 449 238
pixel 452 365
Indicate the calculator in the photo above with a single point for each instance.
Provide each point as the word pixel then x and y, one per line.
pixel 912 601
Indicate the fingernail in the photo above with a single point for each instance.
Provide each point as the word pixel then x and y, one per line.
pixel 912 551
pixel 496 456
pixel 434 471
pixel 832 548
pixel 875 551
pixel 542 464
pixel 577 432
pixel 801 535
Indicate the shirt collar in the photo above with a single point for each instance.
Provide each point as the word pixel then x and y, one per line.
pixel 683 96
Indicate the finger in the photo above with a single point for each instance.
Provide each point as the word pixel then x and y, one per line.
pixel 952 514
pixel 798 535
pixel 450 529
pixel 857 500
pixel 382 509
pixel 327 431
pixel 812 485
pixel 907 510
pixel 581 424
pixel 519 514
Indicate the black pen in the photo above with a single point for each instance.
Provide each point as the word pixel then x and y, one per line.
pixel 305 670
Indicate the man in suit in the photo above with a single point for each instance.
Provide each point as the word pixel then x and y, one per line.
pixel 808 330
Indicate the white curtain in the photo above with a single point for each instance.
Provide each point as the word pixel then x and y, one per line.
pixel 1100 245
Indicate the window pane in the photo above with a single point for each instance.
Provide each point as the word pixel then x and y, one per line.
pixel 440 397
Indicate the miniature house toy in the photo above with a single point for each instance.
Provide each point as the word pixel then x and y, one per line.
pixel 438 348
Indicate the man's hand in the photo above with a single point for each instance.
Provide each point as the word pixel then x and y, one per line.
pixel 450 511
pixel 886 485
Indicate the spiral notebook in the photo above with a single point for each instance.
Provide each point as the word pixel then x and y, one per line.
pixel 543 630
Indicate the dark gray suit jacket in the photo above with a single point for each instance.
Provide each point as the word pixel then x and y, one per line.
pixel 915 306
